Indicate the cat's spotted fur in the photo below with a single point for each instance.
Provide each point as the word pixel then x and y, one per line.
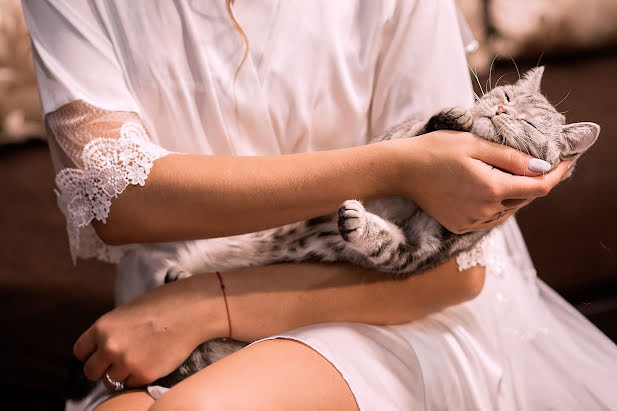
pixel 391 235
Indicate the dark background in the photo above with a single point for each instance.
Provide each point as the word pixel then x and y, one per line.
pixel 47 302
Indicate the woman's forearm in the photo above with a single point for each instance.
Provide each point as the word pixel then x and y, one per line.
pixel 267 300
pixel 168 322
pixel 199 196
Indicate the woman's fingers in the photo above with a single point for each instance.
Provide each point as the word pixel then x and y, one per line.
pixel 85 345
pixel 509 159
pixel 96 365
pixel 521 165
pixel 502 217
pixel 501 214
pixel 135 381
pixel 464 181
pixel 525 187
pixel 495 220
pixel 516 202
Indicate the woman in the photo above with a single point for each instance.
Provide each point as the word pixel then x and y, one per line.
pixel 319 79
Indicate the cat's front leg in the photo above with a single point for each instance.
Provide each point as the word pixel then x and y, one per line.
pixel 452 118
pixel 380 241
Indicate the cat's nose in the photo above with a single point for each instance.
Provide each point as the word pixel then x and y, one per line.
pixel 500 110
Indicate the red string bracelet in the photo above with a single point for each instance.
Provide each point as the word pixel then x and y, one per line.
pixel 225 299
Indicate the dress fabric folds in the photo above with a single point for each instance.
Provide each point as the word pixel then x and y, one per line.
pixel 125 83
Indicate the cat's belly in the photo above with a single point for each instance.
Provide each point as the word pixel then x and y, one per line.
pixel 395 209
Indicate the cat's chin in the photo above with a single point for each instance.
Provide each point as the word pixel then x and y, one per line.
pixel 483 127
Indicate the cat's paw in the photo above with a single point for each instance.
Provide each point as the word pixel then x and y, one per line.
pixel 175 273
pixel 351 220
pixel 453 118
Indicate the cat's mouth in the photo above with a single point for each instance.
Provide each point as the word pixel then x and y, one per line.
pixel 497 130
pixel 484 127
pixel 500 124
pixel 505 134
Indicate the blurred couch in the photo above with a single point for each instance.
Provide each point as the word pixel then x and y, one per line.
pixel 508 29
pixel 47 302
pixel 20 111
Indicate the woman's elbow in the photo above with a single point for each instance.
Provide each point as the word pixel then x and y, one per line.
pixel 109 233
pixel 472 282
pixel 440 289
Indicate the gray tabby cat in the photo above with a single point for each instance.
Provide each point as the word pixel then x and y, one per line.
pixel 391 235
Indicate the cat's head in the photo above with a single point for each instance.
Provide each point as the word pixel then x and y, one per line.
pixel 519 116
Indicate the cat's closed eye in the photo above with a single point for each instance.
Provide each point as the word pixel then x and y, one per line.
pixel 531 124
pixel 507 97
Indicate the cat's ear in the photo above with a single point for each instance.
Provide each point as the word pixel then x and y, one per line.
pixel 532 79
pixel 579 137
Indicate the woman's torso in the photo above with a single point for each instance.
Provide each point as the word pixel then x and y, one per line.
pixel 319 75
pixel 309 82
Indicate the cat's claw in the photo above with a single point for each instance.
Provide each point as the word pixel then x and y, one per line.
pixel 351 220
pixel 175 273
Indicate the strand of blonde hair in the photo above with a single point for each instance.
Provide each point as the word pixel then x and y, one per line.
pixel 230 3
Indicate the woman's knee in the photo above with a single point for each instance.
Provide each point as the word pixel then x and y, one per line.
pixel 271 375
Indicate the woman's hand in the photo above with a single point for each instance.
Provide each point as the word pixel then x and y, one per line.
pixel 149 337
pixel 457 178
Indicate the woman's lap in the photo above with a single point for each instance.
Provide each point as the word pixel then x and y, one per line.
pixel 512 347
pixel 380 367
pixel 273 374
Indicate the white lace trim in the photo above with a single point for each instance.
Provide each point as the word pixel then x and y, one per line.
pixel 109 166
pixel 491 253
pixel 486 252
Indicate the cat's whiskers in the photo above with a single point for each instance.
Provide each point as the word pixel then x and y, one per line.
pixel 541 55
pixel 497 83
pixel 562 100
pixel 518 140
pixel 516 66
pixel 523 143
pixel 475 74
pixel 490 74
pixel 483 104
pixel 506 128
pixel 515 141
pixel 511 131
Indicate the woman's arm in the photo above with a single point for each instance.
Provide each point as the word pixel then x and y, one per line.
pixel 200 196
pixel 267 300
pixel 262 301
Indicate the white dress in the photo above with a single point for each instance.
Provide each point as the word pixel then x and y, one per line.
pixel 158 76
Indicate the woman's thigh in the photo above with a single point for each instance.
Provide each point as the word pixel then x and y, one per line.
pixel 271 375
pixel 134 401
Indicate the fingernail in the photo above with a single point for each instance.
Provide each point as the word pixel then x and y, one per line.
pixel 539 166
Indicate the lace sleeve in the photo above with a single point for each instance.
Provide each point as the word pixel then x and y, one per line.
pixel 488 253
pixel 96 155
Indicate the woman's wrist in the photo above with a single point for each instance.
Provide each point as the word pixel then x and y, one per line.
pixel 400 159
pixel 382 169
pixel 208 310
